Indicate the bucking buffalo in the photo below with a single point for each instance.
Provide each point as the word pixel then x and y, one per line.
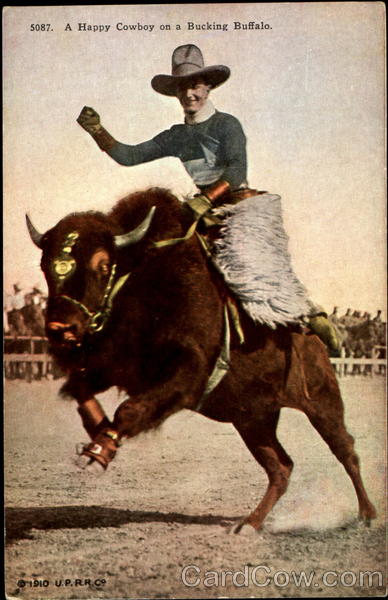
pixel 126 309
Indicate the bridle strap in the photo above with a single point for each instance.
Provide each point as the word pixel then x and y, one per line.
pixel 77 303
pixel 99 318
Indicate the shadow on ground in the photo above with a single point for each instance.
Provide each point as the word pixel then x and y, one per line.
pixel 20 521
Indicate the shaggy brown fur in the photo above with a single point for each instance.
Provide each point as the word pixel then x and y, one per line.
pixel 165 333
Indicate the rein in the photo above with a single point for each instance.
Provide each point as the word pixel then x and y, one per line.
pixel 99 318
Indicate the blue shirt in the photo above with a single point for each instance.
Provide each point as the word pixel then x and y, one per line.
pixel 211 150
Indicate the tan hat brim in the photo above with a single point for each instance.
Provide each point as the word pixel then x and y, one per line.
pixel 167 84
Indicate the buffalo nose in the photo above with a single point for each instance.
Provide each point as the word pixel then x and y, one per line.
pixel 56 326
pixel 61 331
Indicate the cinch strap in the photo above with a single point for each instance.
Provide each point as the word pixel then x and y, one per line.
pixel 222 363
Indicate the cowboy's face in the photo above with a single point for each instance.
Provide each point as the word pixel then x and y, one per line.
pixel 192 94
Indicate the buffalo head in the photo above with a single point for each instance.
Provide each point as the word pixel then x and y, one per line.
pixel 80 260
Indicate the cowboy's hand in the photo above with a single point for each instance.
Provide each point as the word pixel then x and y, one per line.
pixel 200 205
pixel 89 119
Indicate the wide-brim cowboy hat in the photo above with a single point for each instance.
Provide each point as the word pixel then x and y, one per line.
pixel 187 62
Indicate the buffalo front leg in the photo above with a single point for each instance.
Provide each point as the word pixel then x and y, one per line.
pixel 95 422
pixel 105 439
pixel 79 387
pixel 187 370
pixel 93 417
pixel 260 438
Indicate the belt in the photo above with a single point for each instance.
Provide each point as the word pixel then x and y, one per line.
pixel 231 196
pixel 236 196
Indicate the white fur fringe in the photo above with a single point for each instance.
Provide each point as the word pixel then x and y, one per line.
pixel 252 255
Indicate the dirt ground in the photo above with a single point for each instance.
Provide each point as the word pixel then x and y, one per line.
pixel 157 523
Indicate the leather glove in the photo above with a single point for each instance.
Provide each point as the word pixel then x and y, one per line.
pixel 89 119
pixel 199 205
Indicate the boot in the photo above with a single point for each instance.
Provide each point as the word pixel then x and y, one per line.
pixel 325 330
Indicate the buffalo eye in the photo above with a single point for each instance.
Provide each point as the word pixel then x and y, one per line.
pixel 100 263
pixel 104 268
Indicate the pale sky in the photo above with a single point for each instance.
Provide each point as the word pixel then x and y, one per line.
pixel 308 90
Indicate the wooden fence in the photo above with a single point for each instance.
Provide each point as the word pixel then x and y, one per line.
pixel 27 358
pixel 351 365
pixel 359 366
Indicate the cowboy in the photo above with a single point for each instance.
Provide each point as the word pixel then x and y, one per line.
pixel 334 316
pixel 17 299
pixel 347 320
pixel 15 316
pixel 36 294
pixel 377 318
pixel 336 320
pixel 356 317
pixel 211 146
pixel 6 303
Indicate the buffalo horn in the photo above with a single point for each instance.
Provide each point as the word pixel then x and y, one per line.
pixel 34 233
pixel 137 234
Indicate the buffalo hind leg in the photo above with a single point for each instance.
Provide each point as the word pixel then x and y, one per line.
pixel 260 438
pixel 332 429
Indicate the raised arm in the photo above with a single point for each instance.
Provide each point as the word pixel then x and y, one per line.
pixel 124 154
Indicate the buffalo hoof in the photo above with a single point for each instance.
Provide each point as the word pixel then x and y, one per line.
pixel 101 450
pixel 245 529
pixel 366 514
pixel 365 520
pixel 89 465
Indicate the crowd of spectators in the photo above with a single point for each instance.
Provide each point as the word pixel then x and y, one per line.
pixel 354 317
pixel 362 336
pixel 24 331
pixel 360 325
pixel 24 312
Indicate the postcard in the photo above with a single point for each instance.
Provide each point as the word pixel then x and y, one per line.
pixel 204 187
